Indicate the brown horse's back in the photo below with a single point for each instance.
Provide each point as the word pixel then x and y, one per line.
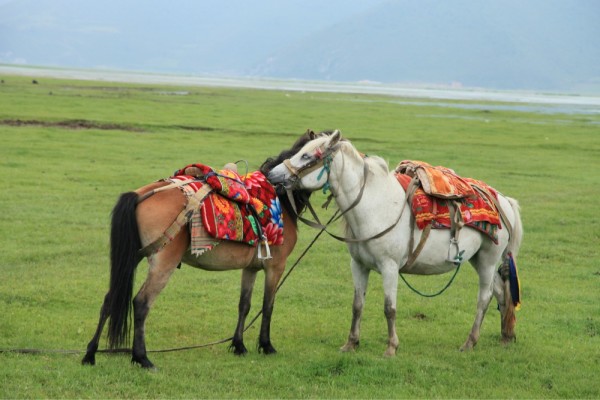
pixel 158 211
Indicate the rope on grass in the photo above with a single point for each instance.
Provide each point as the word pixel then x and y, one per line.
pixel 125 350
pixel 434 294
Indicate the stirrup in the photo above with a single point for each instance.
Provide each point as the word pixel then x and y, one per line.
pixel 458 258
pixel 266 243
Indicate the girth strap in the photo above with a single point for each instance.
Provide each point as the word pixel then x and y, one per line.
pixel 412 257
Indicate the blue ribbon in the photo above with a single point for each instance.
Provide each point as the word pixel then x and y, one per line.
pixel 325 168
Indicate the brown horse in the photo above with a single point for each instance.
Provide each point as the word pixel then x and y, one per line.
pixel 138 221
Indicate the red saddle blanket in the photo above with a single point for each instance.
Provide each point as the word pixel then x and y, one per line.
pixel 476 205
pixel 225 213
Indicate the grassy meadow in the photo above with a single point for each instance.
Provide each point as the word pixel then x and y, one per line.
pixel 69 148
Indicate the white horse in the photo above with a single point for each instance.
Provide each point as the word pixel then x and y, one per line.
pixel 379 224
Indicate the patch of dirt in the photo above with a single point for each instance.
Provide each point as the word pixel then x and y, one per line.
pixel 72 124
pixel 193 128
pixel 420 316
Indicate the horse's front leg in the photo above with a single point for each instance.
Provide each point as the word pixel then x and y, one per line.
pixel 248 279
pixel 389 275
pixel 360 276
pixel 273 273
pixel 92 347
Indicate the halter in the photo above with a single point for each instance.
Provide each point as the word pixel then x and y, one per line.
pixel 324 161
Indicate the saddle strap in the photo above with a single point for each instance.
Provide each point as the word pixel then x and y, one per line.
pixel 456 219
pixel 260 233
pixel 163 188
pixel 182 219
pixel 457 224
pixel 414 184
pixel 412 257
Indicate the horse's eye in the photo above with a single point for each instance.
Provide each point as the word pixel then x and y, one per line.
pixel 305 157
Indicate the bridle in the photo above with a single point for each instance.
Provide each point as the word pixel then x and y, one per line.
pixel 324 162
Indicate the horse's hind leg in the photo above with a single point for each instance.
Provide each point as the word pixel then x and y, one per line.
pixel 390 288
pixel 162 265
pixel 486 280
pixel 360 276
pixel 248 279
pixel 92 347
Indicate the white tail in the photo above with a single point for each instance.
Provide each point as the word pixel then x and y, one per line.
pixel 516 238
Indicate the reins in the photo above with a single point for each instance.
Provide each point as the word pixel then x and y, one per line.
pixel 174 349
pixel 412 186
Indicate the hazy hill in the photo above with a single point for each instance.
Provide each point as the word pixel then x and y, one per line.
pixel 207 36
pixel 499 44
pixel 535 44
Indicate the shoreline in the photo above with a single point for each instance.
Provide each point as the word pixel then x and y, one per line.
pixel 461 94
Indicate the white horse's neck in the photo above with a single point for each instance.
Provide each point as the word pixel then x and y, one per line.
pixel 380 191
pixel 346 176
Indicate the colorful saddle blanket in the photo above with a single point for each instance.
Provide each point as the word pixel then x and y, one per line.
pixel 437 181
pixel 475 198
pixel 227 212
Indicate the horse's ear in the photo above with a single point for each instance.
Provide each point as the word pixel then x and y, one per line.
pixel 335 137
pixel 311 134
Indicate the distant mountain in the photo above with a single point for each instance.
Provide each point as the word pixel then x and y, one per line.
pixel 206 36
pixel 548 45
pixel 509 44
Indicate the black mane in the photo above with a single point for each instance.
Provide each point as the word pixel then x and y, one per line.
pixel 300 196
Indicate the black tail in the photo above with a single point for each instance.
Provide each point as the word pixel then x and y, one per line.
pixel 124 258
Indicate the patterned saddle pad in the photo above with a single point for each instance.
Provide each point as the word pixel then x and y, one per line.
pixel 437 181
pixel 225 213
pixel 225 182
pixel 476 205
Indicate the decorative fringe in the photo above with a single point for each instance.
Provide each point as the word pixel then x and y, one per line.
pixel 515 284
pixel 200 241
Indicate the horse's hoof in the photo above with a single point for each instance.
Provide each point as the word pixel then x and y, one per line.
pixel 267 349
pixel 506 340
pixel 466 347
pixel 240 352
pixel 144 363
pixel 89 359
pixel 349 348
pixel 390 352
pixel 238 349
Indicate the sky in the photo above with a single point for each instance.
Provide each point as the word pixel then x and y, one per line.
pixel 537 45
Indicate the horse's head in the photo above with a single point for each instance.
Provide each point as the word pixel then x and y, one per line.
pixel 309 167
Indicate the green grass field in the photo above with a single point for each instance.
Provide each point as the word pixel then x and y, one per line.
pixel 68 149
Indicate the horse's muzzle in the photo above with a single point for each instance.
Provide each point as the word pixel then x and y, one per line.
pixel 279 176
